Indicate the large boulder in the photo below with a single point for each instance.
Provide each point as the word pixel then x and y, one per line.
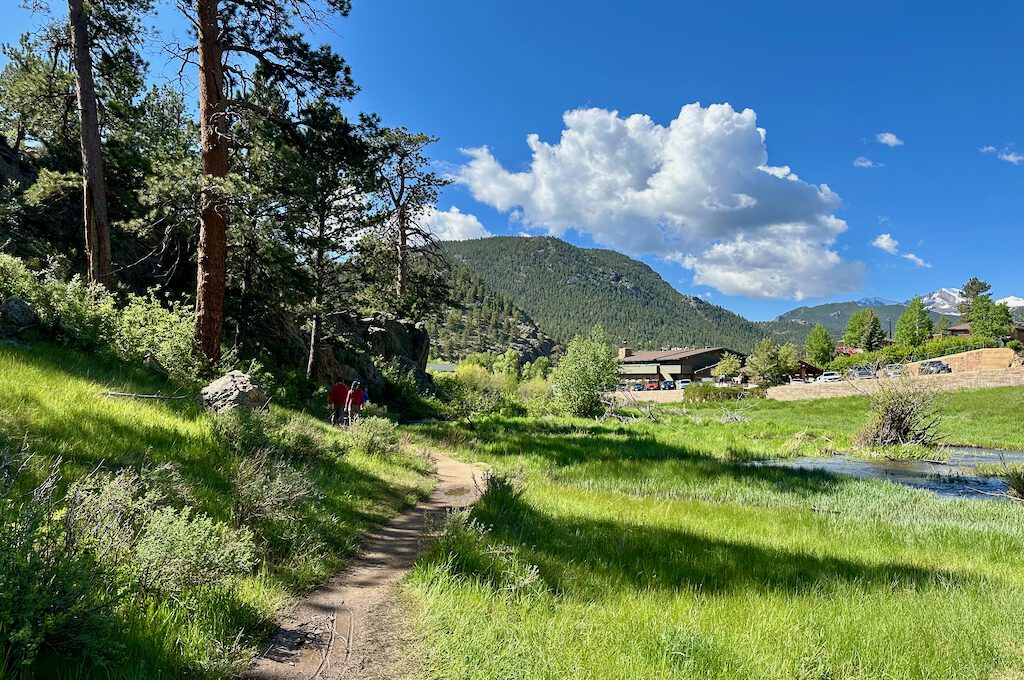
pixel 18 313
pixel 234 390
pixel 391 337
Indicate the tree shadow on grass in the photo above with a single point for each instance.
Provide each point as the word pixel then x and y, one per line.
pixel 589 557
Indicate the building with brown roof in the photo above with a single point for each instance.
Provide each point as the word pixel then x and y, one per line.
pixel 670 364
pixel 1016 332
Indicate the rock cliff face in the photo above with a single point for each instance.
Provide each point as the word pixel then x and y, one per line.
pixel 365 341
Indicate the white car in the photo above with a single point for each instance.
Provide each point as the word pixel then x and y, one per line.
pixel 683 384
pixel 830 376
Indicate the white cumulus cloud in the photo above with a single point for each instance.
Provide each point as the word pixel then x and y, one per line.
pixel 454 225
pixel 698 191
pixel 889 139
pixel 890 245
pixel 865 162
pixel 887 243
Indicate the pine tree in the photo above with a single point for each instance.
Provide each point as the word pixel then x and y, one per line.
pixel 873 337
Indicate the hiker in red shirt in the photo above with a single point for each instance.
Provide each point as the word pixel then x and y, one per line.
pixel 354 402
pixel 337 402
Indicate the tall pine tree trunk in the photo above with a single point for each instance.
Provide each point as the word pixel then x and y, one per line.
pixel 402 254
pixel 94 198
pixel 315 321
pixel 212 256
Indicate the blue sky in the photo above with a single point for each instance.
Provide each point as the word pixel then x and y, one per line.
pixel 824 79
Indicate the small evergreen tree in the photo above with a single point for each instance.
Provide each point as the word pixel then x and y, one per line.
pixel 973 289
pixel 873 337
pixel 586 371
pixel 820 348
pixel 914 325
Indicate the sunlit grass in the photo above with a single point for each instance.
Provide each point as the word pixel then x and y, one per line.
pixel 662 554
pixel 52 400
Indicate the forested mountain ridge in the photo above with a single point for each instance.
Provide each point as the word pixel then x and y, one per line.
pixel 835 315
pixel 567 290
pixel 483 320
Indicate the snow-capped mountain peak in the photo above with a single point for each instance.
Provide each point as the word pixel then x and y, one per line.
pixel 943 301
pixel 875 302
pixel 1013 302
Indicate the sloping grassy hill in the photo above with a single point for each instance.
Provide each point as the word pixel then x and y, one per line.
pixel 567 290
pixel 52 403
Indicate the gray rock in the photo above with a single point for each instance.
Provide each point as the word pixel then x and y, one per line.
pixel 234 390
pixel 18 313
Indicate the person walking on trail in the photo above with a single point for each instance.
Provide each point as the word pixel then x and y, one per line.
pixel 337 402
pixel 354 401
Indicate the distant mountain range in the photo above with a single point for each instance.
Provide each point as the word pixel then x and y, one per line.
pixel 534 294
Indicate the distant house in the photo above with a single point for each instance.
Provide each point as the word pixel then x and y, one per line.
pixel 1016 333
pixel 846 350
pixel 671 364
pixel 806 371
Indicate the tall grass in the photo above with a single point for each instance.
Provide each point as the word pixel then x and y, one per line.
pixel 660 555
pixel 54 399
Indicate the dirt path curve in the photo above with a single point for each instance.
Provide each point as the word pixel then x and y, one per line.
pixel 354 626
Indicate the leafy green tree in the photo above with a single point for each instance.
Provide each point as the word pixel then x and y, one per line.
pixel 974 288
pixel 728 366
pixel 586 371
pixel 537 369
pixel 990 320
pixel 914 325
pixel 507 364
pixel 941 326
pixel 771 363
pixel 855 327
pixel 873 337
pixel 820 348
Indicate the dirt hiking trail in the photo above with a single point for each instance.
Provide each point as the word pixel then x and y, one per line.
pixel 355 626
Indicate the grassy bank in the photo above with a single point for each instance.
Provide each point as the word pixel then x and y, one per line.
pixel 52 401
pixel 649 551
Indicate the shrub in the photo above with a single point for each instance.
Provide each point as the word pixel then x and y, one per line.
pixel 243 432
pixel 268 490
pixel 1016 345
pixel 181 550
pixel 703 392
pixel 373 436
pixel 17 279
pixel 902 412
pixel 79 314
pixel 586 371
pixel 300 438
pixel 535 395
pixel 53 590
pixel 147 328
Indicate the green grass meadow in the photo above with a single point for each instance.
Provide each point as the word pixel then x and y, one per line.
pixel 52 400
pixel 658 553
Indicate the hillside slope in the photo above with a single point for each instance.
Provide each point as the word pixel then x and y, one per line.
pixel 483 320
pixel 567 290
pixel 835 315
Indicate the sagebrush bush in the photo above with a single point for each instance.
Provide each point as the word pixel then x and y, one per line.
pixel 180 550
pixel 53 588
pixel 300 438
pixel 902 412
pixel 268 490
pixel 243 432
pixel 373 437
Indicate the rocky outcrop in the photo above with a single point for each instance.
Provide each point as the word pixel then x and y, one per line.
pixel 18 313
pixel 234 390
pixel 388 336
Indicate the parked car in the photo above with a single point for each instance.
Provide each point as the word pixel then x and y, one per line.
pixel 862 373
pixel 707 381
pixel 796 381
pixel 683 384
pixel 830 376
pixel 668 385
pixel 622 387
pixel 893 370
pixel 934 367
pixel 652 385
pixel 637 387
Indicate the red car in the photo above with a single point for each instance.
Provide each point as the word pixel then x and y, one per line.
pixel 652 385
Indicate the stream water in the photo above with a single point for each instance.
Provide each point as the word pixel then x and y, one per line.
pixel 956 478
